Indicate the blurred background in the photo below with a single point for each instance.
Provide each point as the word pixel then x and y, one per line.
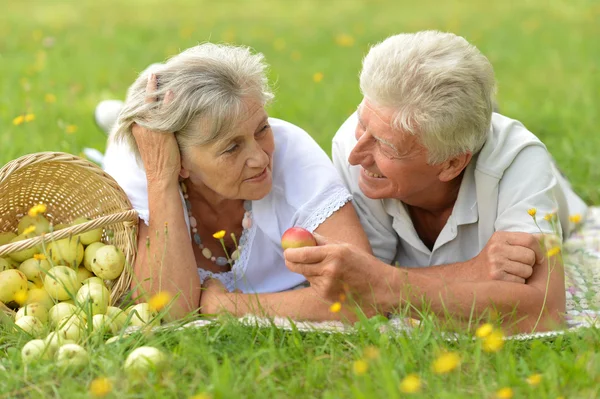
pixel 59 58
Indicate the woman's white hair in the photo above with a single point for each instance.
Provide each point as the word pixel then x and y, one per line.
pixel 439 86
pixel 209 83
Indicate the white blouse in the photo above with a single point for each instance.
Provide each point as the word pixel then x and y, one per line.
pixel 306 191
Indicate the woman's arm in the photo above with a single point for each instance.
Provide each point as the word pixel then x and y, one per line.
pixel 300 304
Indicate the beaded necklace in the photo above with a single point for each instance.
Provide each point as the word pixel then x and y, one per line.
pixel 221 261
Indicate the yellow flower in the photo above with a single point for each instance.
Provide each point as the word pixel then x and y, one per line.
pixel 532 212
pixel 445 363
pixel 318 76
pixel 410 384
pixel 534 379
pixel 484 330
pixel 50 98
pixel 335 307
pixel 505 393
pixel 360 367
pixel 21 297
pixel 39 256
pixel 549 216
pixel 29 117
pixel 29 230
pixel 159 301
pixel 100 387
pixel 575 219
pixel 371 352
pixel 202 395
pixel 493 342
pixel 219 234
pixel 36 210
pixel 344 40
pixel 70 129
pixel 18 120
pixel 553 252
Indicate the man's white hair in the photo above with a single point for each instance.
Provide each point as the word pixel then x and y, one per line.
pixel 209 82
pixel 439 86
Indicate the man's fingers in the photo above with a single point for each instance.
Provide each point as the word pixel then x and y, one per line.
pixel 509 278
pixel 151 88
pixel 526 240
pixel 520 254
pixel 519 269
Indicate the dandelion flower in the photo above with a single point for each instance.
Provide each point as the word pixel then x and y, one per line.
pixel 505 393
pixel 36 210
pixel 219 234
pixel 18 120
pixel 532 212
pixel 484 330
pixel 335 307
pixel 550 216
pixel 575 219
pixel 410 384
pixel 445 363
pixel 360 367
pixel 553 252
pixel 371 352
pixel 70 129
pixel 318 76
pixel 159 301
pixel 50 98
pixel 39 256
pixel 21 297
pixel 534 379
pixel 29 117
pixel 29 230
pixel 493 342
pixel 344 40
pixel 100 387
pixel 202 395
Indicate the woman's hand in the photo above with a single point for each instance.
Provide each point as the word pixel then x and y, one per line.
pixel 159 150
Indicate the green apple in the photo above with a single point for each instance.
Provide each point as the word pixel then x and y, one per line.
pixel 31 325
pixel 35 350
pixel 83 274
pixel 71 327
pixel 11 282
pixel 39 295
pixel 6 237
pixel 102 324
pixel 143 315
pixel 60 311
pixel 89 257
pixel 93 280
pixel 68 251
pixel 109 262
pixel 144 360
pixel 72 357
pixel 61 283
pixel 42 225
pixel 35 270
pixel 24 254
pixel 90 236
pixel 54 341
pixel 117 316
pixel 4 265
pixel 34 309
pixel 94 297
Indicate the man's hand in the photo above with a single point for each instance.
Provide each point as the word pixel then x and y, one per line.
pixel 337 270
pixel 508 256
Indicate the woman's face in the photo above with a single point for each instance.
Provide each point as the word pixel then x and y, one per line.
pixel 239 167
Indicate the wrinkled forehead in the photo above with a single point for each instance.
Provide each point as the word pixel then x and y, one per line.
pixel 378 122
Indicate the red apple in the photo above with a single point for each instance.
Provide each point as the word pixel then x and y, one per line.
pixel 297 237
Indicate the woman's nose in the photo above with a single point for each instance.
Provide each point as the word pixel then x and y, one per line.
pixel 259 158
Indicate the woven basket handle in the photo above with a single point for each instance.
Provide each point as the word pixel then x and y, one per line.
pixel 130 216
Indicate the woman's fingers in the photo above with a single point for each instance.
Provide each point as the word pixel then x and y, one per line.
pixel 151 88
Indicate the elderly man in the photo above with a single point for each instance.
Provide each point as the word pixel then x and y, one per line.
pixel 452 193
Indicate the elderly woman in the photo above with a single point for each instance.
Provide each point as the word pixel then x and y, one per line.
pixel 220 183
pixel 447 190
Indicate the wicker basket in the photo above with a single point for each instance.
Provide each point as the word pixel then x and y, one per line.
pixel 70 187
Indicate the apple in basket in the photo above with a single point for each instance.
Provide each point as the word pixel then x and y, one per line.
pixel 109 262
pixel 89 236
pixel 68 251
pixel 24 254
pixel 4 265
pixel 6 238
pixel 89 255
pixel 297 237
pixel 11 282
pixel 35 270
pixel 94 297
pixel 41 224
pixel 61 283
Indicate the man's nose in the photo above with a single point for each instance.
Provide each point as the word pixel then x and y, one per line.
pixel 361 149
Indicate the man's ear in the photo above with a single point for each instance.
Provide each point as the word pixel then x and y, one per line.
pixel 454 166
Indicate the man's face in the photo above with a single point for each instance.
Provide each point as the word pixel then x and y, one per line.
pixel 393 163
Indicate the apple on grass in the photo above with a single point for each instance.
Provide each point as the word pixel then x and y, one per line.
pixel 297 237
pixel 143 360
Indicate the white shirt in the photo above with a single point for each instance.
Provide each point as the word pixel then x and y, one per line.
pixel 306 191
pixel 512 173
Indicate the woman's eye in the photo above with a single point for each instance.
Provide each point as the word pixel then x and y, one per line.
pixel 231 148
pixel 262 131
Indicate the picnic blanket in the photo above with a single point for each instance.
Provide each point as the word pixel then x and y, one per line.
pixel 581 258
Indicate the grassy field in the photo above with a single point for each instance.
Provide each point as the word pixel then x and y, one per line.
pixel 59 58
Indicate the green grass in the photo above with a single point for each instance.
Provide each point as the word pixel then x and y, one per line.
pixel 546 56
